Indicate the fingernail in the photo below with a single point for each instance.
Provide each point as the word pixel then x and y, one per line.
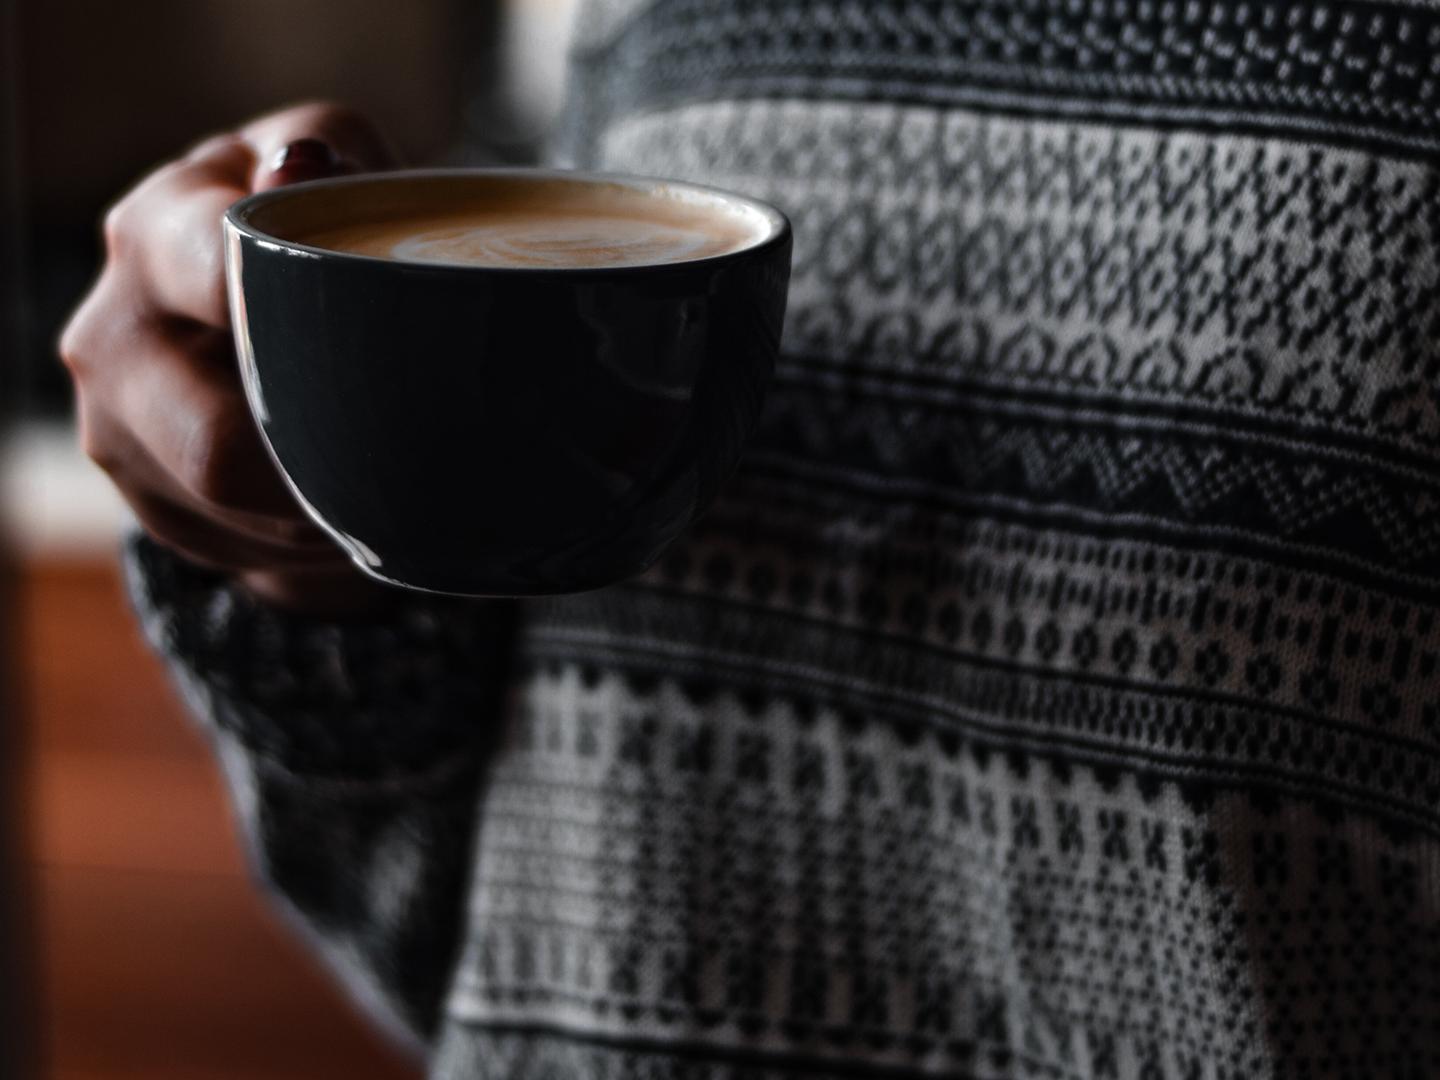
pixel 306 157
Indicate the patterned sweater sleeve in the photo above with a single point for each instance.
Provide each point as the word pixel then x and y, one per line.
pixel 352 752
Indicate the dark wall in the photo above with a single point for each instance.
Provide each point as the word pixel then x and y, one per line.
pixel 109 90
pixel 14 979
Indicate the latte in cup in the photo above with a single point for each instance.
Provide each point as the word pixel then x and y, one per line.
pixel 548 225
pixel 505 382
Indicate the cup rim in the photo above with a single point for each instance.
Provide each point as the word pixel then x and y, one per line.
pixel 238 218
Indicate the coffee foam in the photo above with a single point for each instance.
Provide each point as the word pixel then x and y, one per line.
pixel 551 225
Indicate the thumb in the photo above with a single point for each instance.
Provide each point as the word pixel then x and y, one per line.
pixel 308 142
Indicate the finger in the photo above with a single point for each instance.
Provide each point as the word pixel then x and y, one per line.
pixel 204 542
pixel 308 141
pixel 191 417
pixel 168 230
pixel 222 145
pixel 172 220
pixel 137 474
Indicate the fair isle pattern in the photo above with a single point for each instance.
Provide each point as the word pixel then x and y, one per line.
pixel 689 875
pixel 1055 691
pixel 1188 684
pixel 1341 69
pixel 1164 270
pixel 751 879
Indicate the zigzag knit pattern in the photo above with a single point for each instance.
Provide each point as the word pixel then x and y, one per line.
pixel 1054 693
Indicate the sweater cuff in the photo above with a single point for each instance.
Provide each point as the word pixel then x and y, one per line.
pixel 383 699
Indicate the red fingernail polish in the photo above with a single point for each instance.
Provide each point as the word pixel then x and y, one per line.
pixel 307 157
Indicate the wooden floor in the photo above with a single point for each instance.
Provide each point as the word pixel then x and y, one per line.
pixel 153 955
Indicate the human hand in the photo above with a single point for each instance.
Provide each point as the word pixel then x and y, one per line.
pixel 158 393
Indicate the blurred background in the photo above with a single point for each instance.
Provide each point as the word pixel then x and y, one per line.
pixel 131 941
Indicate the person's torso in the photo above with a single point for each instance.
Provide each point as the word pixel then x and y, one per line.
pixel 1054 692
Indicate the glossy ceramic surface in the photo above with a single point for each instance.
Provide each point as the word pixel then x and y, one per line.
pixel 502 432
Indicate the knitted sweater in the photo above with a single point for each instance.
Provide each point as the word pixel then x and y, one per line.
pixel 1052 693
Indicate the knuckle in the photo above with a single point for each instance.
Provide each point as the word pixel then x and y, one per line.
pixel 96 442
pixel 102 454
pixel 81 339
pixel 102 324
pixel 74 345
pixel 212 145
pixel 118 226
pixel 128 220
pixel 328 112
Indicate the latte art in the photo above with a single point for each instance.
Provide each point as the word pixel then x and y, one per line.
pixel 547 225
pixel 550 242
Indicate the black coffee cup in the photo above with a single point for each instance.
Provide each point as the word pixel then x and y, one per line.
pixel 500 431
